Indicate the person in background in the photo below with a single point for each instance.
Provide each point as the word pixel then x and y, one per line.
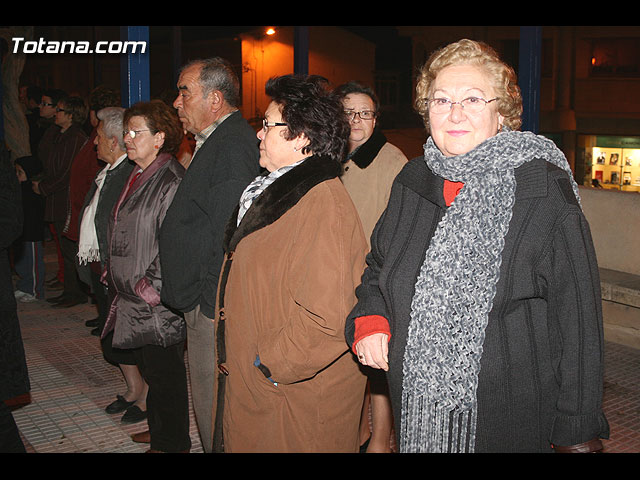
pixel 369 170
pixel 33 98
pixel 29 250
pixel 47 107
pixel 225 160
pixel 84 169
pixel 14 374
pixel 93 254
pixel 295 252
pixel 71 112
pixel 481 298
pixel 48 133
pixel 185 153
pixel 137 317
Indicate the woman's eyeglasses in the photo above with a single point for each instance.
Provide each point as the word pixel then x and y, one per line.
pixel 469 105
pixel 133 133
pixel 266 125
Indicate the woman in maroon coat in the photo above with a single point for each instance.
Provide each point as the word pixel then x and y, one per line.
pixel 138 319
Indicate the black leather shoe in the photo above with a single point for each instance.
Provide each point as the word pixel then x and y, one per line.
pixel 59 298
pixel 119 405
pixel 70 302
pixel 96 332
pixel 133 415
pixel 92 323
pixel 55 285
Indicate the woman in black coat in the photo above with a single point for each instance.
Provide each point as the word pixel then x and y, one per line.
pixel 481 297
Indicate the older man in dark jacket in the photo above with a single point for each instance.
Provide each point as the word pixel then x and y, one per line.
pixel 224 163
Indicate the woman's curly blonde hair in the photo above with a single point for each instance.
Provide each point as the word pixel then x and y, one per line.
pixel 503 78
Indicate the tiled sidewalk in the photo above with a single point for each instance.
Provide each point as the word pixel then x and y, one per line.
pixel 71 384
pixel 622 398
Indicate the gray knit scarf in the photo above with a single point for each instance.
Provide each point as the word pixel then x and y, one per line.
pixel 455 288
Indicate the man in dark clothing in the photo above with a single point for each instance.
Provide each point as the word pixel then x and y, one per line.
pixel 14 376
pixel 71 113
pixel 34 120
pixel 28 250
pixel 225 161
pixel 43 135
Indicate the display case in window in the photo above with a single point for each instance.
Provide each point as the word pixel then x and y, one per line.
pixel 616 168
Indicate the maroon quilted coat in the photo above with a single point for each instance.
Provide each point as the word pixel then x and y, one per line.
pixel 136 316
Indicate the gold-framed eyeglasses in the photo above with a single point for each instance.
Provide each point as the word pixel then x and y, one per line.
pixel 266 125
pixel 469 104
pixel 364 114
pixel 133 133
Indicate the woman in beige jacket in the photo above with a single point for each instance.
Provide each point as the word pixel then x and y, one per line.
pixel 369 171
pixel 295 252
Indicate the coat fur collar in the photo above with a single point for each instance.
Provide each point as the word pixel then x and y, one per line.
pixel 368 151
pixel 279 197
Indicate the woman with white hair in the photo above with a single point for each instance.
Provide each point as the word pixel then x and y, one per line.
pixel 92 252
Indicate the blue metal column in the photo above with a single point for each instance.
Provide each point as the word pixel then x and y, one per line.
pixel 301 50
pixel 529 76
pixel 134 67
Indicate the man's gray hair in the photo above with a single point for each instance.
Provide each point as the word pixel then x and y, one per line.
pixel 111 118
pixel 218 74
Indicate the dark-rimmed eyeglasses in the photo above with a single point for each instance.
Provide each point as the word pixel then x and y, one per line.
pixel 364 114
pixel 266 125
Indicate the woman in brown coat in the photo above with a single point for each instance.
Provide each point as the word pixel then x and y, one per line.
pixel 288 381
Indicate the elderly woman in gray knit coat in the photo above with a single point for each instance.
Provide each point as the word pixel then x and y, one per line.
pixel 481 296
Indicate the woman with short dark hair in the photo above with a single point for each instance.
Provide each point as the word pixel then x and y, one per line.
pixel 295 251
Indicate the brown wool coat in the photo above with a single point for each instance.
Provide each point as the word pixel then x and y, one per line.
pixel 298 255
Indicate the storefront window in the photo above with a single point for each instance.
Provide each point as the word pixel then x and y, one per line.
pixel 612 162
